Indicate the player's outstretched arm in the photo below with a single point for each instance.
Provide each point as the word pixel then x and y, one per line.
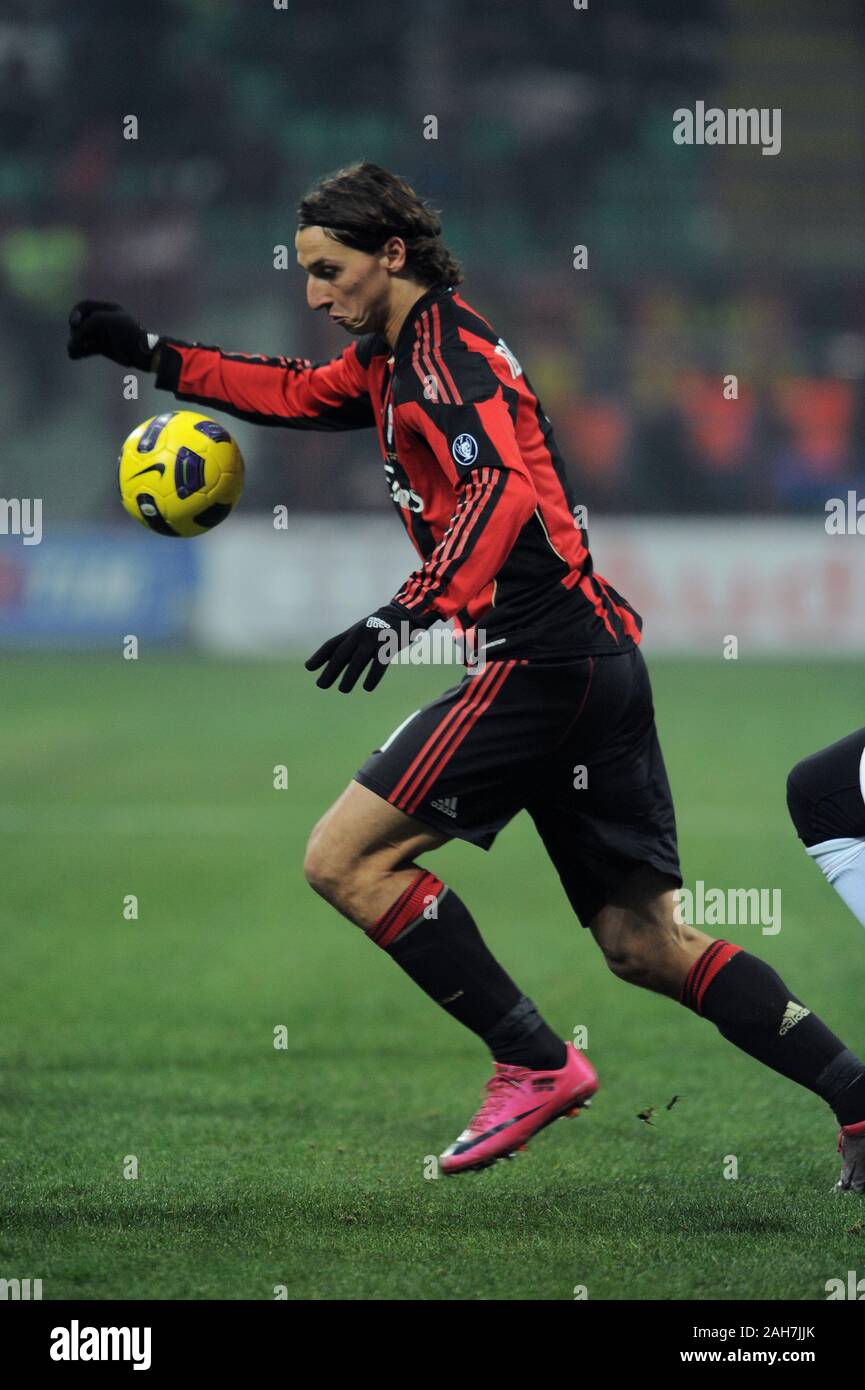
pixel 288 391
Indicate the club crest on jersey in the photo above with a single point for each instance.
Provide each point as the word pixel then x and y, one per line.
pixel 465 449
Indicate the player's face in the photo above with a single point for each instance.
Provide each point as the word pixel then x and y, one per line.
pixel 352 286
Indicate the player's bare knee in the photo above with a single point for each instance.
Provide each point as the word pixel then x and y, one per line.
pixel 628 961
pixel 648 948
pixel 318 872
pixel 325 866
pixel 340 871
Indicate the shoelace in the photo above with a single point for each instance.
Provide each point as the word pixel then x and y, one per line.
pixel 497 1091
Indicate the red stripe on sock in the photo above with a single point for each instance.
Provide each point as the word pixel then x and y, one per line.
pixel 693 977
pixel 409 905
pixel 703 972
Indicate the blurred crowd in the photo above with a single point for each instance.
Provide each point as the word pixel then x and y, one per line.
pixel 554 130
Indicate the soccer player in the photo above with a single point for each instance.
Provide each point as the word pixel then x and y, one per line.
pixel 557 716
pixel 826 800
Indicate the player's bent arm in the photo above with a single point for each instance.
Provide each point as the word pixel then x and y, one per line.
pixel 288 391
pixel 494 505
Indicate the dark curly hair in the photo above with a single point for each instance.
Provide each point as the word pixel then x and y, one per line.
pixel 363 204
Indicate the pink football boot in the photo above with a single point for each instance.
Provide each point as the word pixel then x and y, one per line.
pixel 518 1103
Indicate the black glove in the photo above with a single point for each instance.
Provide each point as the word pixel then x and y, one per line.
pixel 107 329
pixel 361 645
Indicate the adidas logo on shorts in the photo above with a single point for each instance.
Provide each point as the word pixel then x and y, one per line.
pixel 447 805
pixel 793 1014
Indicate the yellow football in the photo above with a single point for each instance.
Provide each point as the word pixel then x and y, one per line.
pixel 180 473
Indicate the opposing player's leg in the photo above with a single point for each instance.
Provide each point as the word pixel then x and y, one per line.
pixel 826 800
pixel 615 853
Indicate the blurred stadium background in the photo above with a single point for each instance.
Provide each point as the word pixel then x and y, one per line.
pixel 154 777
pixel 554 130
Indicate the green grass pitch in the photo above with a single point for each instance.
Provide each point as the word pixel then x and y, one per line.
pixel 303 1167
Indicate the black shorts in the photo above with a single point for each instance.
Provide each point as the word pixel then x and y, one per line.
pixel 574 745
pixel 826 792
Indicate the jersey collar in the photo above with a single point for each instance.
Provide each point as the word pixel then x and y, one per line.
pixel 406 338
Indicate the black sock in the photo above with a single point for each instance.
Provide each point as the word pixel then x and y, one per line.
pixel 432 936
pixel 523 1039
pixel 752 1007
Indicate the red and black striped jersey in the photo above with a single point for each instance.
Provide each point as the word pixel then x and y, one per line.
pixel 471 465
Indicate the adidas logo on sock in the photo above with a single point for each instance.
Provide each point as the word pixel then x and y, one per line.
pixel 447 805
pixel 793 1014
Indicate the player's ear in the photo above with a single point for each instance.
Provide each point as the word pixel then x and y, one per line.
pixel 393 255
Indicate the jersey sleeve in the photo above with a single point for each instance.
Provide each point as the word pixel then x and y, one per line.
pixel 475 443
pixel 289 391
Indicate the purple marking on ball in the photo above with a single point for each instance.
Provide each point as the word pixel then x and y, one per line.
pixel 213 431
pixel 188 472
pixel 150 437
